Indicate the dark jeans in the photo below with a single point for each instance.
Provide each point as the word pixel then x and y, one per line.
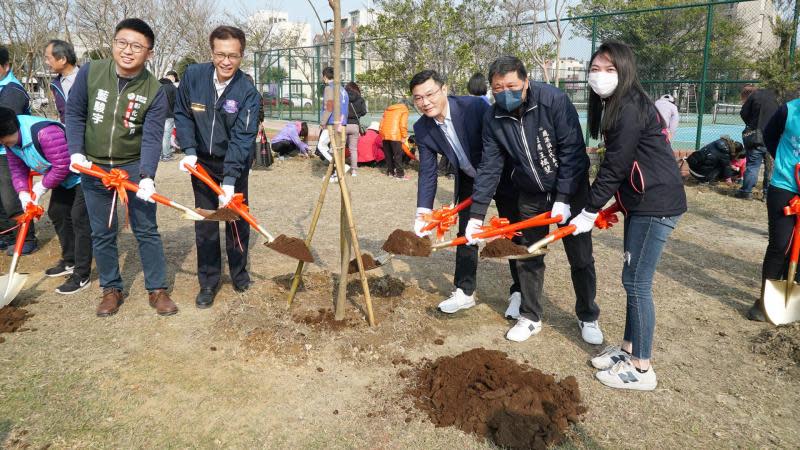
pixel 781 227
pixel 237 233
pixel 645 237
pixel 283 148
pixel 67 210
pixel 393 150
pixel 465 277
pixel 579 254
pixel 10 203
pixel 754 158
pixel 142 217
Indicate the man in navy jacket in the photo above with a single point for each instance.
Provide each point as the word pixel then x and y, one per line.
pixel 216 115
pixel 451 126
pixel 534 127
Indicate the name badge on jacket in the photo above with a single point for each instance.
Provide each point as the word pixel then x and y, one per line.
pixel 199 107
pixel 231 106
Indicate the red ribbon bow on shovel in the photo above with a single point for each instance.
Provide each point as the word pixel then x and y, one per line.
pixel 445 217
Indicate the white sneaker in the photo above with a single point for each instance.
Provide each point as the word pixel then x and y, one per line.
pixel 512 312
pixel 457 301
pixel 353 173
pixel 623 375
pixel 609 356
pixel 524 329
pixel 334 178
pixel 590 332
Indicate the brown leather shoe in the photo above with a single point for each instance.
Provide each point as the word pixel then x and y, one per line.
pixel 159 299
pixel 112 299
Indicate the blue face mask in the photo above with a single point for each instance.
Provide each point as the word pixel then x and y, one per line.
pixel 508 100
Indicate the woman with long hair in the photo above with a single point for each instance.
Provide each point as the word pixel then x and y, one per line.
pixel 355 110
pixel 640 171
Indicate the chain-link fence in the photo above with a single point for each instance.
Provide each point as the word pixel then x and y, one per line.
pixel 701 54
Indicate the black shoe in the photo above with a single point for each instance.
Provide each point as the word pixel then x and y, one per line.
pixel 243 287
pixel 6 242
pixel 73 285
pixel 205 298
pixel 60 269
pixel 755 314
pixel 743 195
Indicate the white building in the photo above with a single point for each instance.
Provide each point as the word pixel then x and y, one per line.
pixel 278 29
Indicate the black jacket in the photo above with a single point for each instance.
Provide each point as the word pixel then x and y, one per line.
pixel 544 146
pixel 712 162
pixel 357 107
pixel 223 127
pixel 639 168
pixel 759 108
pixel 171 92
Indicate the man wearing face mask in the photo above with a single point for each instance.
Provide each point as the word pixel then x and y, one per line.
pixel 535 127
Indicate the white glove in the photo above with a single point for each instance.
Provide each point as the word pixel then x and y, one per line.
pixel 79 159
pixel 227 195
pixel 190 160
pixel 473 228
pixel 38 191
pixel 420 223
pixel 583 222
pixel 561 209
pixel 25 198
pixel 146 190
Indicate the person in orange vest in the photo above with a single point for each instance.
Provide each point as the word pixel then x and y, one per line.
pixel 394 132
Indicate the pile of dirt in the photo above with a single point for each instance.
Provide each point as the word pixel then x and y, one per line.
pixel 500 248
pixel 324 319
pixel 221 215
pixel 366 259
pixel 781 344
pixel 385 286
pixel 292 246
pixel 486 393
pixel 12 318
pixel 407 243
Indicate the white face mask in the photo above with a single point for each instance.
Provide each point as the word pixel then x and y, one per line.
pixel 603 83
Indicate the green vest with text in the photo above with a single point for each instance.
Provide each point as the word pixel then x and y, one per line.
pixel 115 119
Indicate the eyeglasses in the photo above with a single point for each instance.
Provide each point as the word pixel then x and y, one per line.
pixel 430 96
pixel 222 57
pixel 136 47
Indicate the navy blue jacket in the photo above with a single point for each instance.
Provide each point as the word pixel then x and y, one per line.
pixel 467 114
pixel 223 127
pixel 543 144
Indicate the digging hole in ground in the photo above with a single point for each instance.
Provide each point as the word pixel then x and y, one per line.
pixel 485 393
pixel 782 345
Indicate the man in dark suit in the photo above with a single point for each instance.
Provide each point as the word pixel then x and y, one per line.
pixel 451 126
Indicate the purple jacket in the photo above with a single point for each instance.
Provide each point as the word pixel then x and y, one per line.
pixel 51 142
pixel 289 133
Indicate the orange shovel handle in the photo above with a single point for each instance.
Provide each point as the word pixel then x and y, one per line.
pixel 203 176
pixel 448 213
pixel 97 172
pixel 536 221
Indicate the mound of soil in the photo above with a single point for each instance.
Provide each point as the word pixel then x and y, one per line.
pixel 385 286
pixel 324 319
pixel 499 248
pixel 407 243
pixel 781 344
pixel 292 246
pixel 366 259
pixel 486 393
pixel 12 318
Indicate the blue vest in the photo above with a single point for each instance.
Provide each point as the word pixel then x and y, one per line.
pixel 10 79
pixel 30 155
pixel 788 153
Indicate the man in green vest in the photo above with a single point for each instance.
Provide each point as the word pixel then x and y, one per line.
pixel 115 119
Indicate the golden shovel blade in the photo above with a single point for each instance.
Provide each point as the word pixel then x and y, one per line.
pixel 10 285
pixel 538 252
pixel 779 306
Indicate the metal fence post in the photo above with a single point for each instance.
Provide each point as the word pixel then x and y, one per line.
pixel 353 60
pixel 314 86
pixel 702 103
pixel 594 46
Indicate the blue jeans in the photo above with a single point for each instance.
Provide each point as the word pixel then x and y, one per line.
pixel 754 158
pixel 104 238
pixel 645 237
